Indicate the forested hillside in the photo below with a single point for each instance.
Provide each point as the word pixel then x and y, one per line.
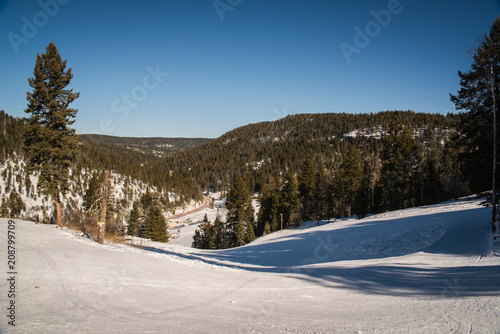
pixel 103 155
pixel 322 166
pixel 269 149
pixel 10 135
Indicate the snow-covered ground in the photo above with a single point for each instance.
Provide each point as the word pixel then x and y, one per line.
pixel 425 270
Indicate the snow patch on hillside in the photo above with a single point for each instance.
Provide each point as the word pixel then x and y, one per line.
pixel 38 207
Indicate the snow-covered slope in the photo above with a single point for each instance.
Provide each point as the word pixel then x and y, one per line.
pixel 424 270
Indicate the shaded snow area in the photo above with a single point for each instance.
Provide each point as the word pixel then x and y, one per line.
pixel 433 269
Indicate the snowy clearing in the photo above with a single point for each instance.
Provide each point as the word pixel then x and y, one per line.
pixel 424 270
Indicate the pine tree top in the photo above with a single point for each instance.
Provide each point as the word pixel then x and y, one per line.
pixel 50 143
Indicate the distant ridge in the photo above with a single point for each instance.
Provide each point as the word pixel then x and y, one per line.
pixel 156 146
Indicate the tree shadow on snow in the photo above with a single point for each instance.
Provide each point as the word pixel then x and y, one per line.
pixel 411 281
pixel 374 239
pixel 313 255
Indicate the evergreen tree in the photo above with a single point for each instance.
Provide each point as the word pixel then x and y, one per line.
pixel 320 196
pixel 365 200
pixel 239 233
pixel 399 163
pixel 270 201
pixel 267 229
pixel 290 203
pixel 210 235
pixel 198 239
pixel 307 180
pixel 147 200
pixel 145 213
pixel 213 236
pixel 250 233
pixel 50 144
pixel 10 135
pixel 134 221
pixel 431 189
pixel 4 210
pixel 479 97
pixel 240 210
pixel 16 204
pixel 205 236
pixel 221 235
pixel 348 182
pixel 239 202
pixel 91 199
pixel 155 225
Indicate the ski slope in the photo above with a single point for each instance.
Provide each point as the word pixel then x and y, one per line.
pixel 433 269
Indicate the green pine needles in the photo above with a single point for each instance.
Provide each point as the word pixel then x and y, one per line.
pixel 238 230
pixel 49 143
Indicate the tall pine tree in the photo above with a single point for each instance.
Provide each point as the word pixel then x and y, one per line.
pixel 270 201
pixel 49 142
pixel 155 225
pixel 240 210
pixel 290 204
pixel 307 180
pixel 347 183
pixel 135 220
pixel 479 96
pixel 399 164
pixel 91 199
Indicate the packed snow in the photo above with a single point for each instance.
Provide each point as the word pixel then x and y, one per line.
pixel 432 269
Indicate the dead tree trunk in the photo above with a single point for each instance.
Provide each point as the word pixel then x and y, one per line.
pixel 58 210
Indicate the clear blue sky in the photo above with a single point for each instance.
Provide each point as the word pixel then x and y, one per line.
pixel 199 68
